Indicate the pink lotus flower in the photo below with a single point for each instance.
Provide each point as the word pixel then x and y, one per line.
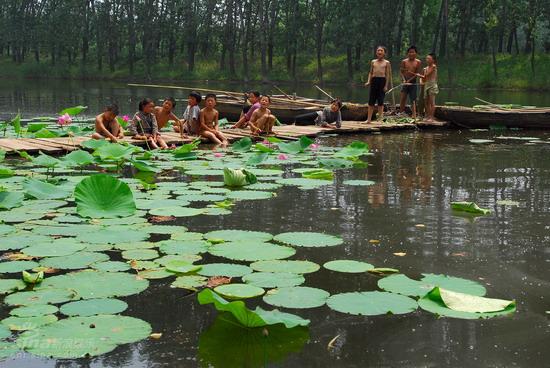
pixel 282 156
pixel 217 154
pixel 64 120
pixel 266 142
pixel 314 146
pixel 125 118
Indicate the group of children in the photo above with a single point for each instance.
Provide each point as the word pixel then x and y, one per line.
pixel 150 119
pixel 380 76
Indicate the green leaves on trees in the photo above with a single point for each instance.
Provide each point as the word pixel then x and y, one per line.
pixel 103 196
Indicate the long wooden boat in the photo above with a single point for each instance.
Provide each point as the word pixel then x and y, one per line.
pixel 476 118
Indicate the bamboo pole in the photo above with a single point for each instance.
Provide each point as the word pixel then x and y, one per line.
pixel 283 92
pixel 324 92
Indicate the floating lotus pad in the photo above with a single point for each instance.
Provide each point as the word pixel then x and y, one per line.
pixel 165 229
pixel 401 284
pixel 239 291
pixel 189 258
pixel 120 234
pixel 182 266
pixel 6 229
pixel 44 190
pixel 303 183
pixel 28 323
pixel 300 297
pixel 140 254
pixel 371 303
pixel 237 235
pixel 183 247
pixel 103 196
pixel 176 211
pixel 94 284
pixel 111 266
pixel 251 251
pixel 285 266
pixel 21 240
pixel 273 280
pixel 249 195
pixel 51 249
pixel 348 266
pixel 34 310
pixel 17 266
pixel 308 239
pixel 89 336
pixel 92 307
pixel 435 302
pixel 155 274
pixel 224 269
pixel 41 296
pixel 190 282
pixel 8 349
pixel 186 236
pixel 8 286
pixel 74 261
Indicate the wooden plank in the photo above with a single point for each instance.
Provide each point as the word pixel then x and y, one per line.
pixel 57 145
pixel 19 145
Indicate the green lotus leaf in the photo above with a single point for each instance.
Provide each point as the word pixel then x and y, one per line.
pixel 34 310
pixel 155 274
pixel 308 239
pixel 115 235
pixel 285 266
pixel 111 266
pixel 469 207
pixel 178 266
pixel 349 266
pixel 355 149
pixel 237 235
pixel 41 296
pixel 224 269
pixel 6 229
pixel 189 258
pixel 273 280
pixel 176 211
pixel 9 200
pixel 401 284
pixel 242 145
pixel 239 291
pixel 54 249
pixel 251 251
pixel 78 158
pixel 89 336
pixel 8 286
pixel 21 240
pixel 28 323
pixel 299 297
pixel 183 247
pixel 249 195
pixel 371 303
pixel 190 282
pixel 43 190
pixel 103 196
pixel 186 235
pixel 303 183
pixel 17 266
pixel 91 307
pixel 140 254
pixel 114 152
pixel 74 261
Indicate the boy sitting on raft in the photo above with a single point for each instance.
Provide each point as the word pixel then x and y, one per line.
pixel 191 116
pixel 330 115
pixel 209 122
pixel 165 113
pixel 144 125
pixel 262 121
pixel 106 125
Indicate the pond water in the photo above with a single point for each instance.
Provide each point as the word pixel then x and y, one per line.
pixel 47 97
pixel 416 175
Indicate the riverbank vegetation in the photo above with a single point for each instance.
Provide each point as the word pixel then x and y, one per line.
pixel 485 43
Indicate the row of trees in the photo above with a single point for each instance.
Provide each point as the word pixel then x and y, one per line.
pixel 240 34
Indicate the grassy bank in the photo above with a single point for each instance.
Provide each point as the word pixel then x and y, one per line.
pixel 513 72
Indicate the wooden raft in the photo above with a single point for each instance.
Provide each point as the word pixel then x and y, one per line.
pixel 285 132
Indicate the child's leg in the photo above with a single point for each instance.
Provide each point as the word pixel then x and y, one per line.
pixel 211 136
pixel 97 136
pixel 380 112
pixel 270 122
pixel 161 142
pixel 432 106
pixel 370 112
pixel 220 136
pixel 403 100
pixel 152 143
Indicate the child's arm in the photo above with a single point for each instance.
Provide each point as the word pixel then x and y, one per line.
pixel 203 126
pixel 155 126
pixel 176 120
pixel 403 70
pixel 388 76
pixel 119 131
pixel 370 73
pixel 100 128
pixel 252 121
pixel 216 122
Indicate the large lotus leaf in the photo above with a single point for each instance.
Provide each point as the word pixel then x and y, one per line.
pixel 433 302
pixel 94 284
pixel 111 266
pixel 307 239
pixel 88 336
pixel 155 274
pixel 6 229
pixel 78 158
pixel 273 280
pixel 299 297
pixel 66 230
pixel 189 258
pixel 17 266
pixel 4 333
pixel 239 291
pixel 242 145
pixel 226 344
pixel 8 286
pixel 74 261
pixel 43 190
pixel 401 284
pixel 237 235
pixel 46 161
pixel 176 211
pixel 473 304
pixel 303 183
pixel 115 235
pixel 28 323
pixel 41 296
pixel 200 197
pixel 103 196
pixel 114 152
pixel 181 266
pixel 54 249
pixel 251 251
pixel 470 207
pixel 263 186
pixel 151 204
pixel 224 269
pixel 34 310
pixel 21 240
pixel 183 247
pixel 8 349
pixel 285 266
pixel 186 235
pixel 9 200
pixel 349 266
pixel 371 303
pixel 190 282
pixel 94 144
pixel 140 254
pixel 249 318
pixel 354 149
pixel 73 111
pixel 135 245
pixel 91 307
pixel 165 229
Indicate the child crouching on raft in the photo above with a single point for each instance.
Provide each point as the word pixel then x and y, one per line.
pixel 262 121
pixel 144 125
pixel 106 125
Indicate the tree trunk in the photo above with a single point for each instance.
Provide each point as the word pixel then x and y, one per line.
pixel 349 53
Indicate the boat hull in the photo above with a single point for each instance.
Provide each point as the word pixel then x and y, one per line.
pixel 466 117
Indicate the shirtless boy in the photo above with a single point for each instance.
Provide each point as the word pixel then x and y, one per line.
pixel 410 67
pixel 379 81
pixel 165 113
pixel 431 89
pixel 106 125
pixel 262 120
pixel 209 122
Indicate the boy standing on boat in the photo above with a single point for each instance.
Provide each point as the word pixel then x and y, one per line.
pixel 410 67
pixel 106 125
pixel 246 115
pixel 191 116
pixel 165 113
pixel 379 81
pixel 431 89
pixel 209 122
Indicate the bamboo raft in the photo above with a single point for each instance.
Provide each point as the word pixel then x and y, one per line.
pixel 285 132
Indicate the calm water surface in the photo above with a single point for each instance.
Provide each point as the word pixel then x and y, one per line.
pixel 417 175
